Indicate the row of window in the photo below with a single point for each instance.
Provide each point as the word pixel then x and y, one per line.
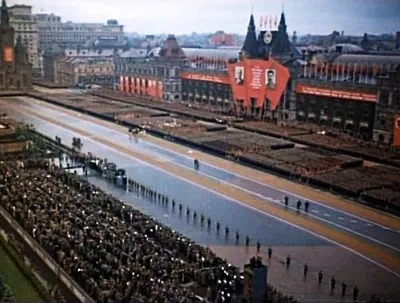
pixel 93 70
pixel 152 71
pixel 191 84
pixel 364 115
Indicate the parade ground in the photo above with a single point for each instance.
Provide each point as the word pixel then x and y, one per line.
pixel 349 241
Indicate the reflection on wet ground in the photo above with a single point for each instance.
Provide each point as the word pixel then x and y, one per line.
pixel 378 234
pixel 257 225
pixel 284 238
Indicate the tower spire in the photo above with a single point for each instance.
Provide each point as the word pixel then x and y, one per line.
pixel 250 42
pixel 5 17
pixel 283 7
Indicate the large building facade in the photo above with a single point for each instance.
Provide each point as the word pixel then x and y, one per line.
pixel 70 71
pixel 21 20
pixel 155 73
pixel 15 68
pixel 203 76
pixel 387 112
pixel 342 88
pixel 70 34
pixel 55 59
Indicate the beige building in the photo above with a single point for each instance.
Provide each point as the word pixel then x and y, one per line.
pixel 21 20
pixel 74 71
pixel 69 34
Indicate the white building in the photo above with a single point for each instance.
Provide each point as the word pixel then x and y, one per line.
pixel 22 21
pixel 69 34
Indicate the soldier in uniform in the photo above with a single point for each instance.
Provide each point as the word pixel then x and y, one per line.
pixel 320 276
pixel 305 270
pixel 333 283
pixel 298 205
pixel 355 293
pixel 286 200
pixel 306 206
pixel 344 287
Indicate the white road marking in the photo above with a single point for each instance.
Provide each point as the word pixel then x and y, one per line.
pixel 326 215
pixel 353 221
pixel 38 102
pixel 369 224
pixel 315 211
pixel 274 188
pixel 239 202
pixel 340 218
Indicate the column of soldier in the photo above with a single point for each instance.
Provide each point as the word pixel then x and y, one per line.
pixel 320 274
pixel 165 201
pixel 115 253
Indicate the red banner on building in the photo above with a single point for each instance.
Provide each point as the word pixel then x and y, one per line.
pixel 351 95
pixel 396 132
pixel 9 54
pixel 205 77
pixel 255 81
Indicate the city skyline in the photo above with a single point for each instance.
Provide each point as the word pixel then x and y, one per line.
pixel 176 16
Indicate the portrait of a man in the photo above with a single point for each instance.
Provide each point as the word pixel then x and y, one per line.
pixel 239 75
pixel 270 78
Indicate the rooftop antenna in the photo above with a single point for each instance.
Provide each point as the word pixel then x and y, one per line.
pixel 283 7
pixel 252 8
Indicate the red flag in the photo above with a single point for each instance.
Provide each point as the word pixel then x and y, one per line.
pixel 265 22
pixel 276 21
pixel 261 21
pixel 270 23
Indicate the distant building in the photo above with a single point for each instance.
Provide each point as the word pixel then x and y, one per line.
pixel 222 39
pixel 69 34
pixel 55 53
pixel 201 76
pixel 71 71
pixel 344 93
pixel 387 112
pixel 15 68
pixel 49 56
pixel 155 73
pixel 21 20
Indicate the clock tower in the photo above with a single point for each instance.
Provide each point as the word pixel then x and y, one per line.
pixel 7 40
pixel 15 69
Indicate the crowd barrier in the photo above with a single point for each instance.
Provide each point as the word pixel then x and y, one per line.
pixel 43 255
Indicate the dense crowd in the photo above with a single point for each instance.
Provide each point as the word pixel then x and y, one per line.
pixel 115 253
pixel 6 294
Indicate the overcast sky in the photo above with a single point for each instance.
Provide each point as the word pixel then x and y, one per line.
pixel 186 16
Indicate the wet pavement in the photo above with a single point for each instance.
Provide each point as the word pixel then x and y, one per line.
pixel 371 231
pixel 284 238
pixel 257 225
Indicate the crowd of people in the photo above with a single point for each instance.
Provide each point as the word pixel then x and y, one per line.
pixel 6 294
pixel 115 253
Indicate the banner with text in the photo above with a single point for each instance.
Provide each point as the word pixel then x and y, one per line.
pixel 258 80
